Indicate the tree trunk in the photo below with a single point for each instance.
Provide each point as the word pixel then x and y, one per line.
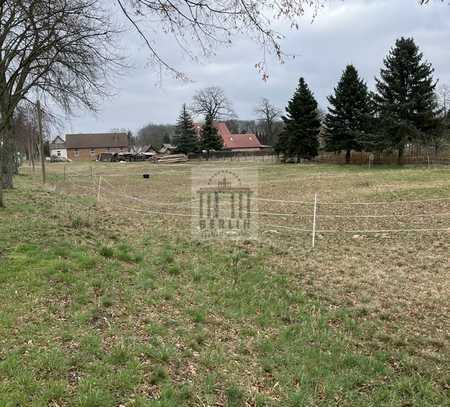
pixel 2 204
pixel 7 160
pixel 32 153
pixel 436 149
pixel 348 156
pixel 401 153
pixel 16 158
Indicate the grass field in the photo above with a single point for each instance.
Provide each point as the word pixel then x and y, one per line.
pixel 112 303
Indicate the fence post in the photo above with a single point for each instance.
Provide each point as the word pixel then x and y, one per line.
pixel 314 222
pixel 65 172
pixel 99 188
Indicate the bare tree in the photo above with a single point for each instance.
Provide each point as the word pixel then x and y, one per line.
pixel 268 114
pixel 60 49
pixel 25 134
pixel 212 101
pixel 443 95
pixel 440 136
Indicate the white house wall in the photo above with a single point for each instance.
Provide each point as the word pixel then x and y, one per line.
pixel 62 152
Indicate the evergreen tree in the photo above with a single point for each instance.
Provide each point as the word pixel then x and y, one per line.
pixel 349 114
pixel 300 137
pixel 185 133
pixel 210 138
pixel 405 97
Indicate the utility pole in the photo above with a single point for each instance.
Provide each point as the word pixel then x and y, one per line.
pixel 41 140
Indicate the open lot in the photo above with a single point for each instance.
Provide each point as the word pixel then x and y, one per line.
pixel 106 300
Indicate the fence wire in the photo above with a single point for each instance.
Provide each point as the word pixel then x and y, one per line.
pixel 102 189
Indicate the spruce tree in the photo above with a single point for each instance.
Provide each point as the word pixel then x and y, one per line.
pixel 210 138
pixel 349 114
pixel 300 137
pixel 405 97
pixel 185 134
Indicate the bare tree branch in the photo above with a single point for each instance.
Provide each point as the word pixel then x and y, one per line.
pixel 212 101
pixel 200 26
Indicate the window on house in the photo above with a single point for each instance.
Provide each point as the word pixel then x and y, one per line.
pixel 92 151
pixel 77 152
pixel 58 153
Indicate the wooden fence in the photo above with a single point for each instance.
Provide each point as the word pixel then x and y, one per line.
pixel 412 155
pixel 364 158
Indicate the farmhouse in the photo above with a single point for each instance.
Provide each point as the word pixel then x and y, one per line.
pixel 235 142
pixel 58 148
pixel 238 142
pixel 85 147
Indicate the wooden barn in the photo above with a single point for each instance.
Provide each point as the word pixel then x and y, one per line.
pixel 87 147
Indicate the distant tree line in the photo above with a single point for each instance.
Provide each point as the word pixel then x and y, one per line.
pixel 155 135
pixel 404 109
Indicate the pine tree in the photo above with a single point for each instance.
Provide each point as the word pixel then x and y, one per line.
pixel 300 137
pixel 405 97
pixel 210 138
pixel 185 134
pixel 349 114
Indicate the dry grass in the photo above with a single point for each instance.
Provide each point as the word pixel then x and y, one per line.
pixel 229 317
pixel 398 277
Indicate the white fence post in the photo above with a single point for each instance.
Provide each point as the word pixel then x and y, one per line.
pixel 99 188
pixel 314 222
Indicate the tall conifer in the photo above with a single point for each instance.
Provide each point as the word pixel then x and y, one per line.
pixel 300 137
pixel 349 114
pixel 185 134
pixel 210 138
pixel 405 97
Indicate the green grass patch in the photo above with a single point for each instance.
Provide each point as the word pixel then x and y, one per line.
pixel 93 314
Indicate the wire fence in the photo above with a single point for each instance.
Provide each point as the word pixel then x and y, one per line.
pixel 294 217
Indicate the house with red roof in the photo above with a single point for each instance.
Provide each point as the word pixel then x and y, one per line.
pixel 236 142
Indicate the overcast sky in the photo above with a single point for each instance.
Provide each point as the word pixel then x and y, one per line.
pixel 360 32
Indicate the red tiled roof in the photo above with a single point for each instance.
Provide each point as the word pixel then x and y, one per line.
pixel 237 141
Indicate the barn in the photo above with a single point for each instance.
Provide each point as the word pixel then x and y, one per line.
pixel 87 147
